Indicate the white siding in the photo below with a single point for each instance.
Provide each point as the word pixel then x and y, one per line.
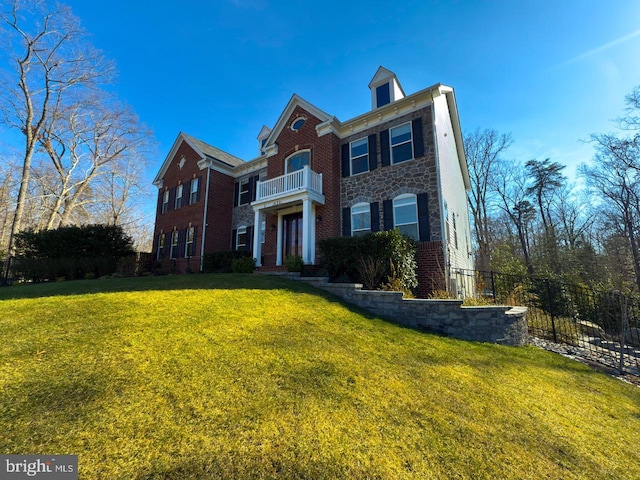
pixel 454 195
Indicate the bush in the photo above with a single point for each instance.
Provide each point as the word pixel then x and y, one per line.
pixel 293 263
pixel 243 265
pixel 220 262
pixel 377 260
pixel 73 252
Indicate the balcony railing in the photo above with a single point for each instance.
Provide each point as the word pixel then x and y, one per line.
pixel 294 182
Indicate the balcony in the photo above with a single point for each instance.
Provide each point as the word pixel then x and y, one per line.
pixel 298 185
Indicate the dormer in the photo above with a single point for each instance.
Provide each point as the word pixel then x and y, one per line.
pixel 385 88
pixel 262 138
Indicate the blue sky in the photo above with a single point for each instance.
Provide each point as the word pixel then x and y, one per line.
pixel 549 72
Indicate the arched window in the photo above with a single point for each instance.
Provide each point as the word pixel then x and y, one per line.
pixel 297 161
pixel 360 219
pixel 405 215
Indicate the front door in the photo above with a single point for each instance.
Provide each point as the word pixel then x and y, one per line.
pixel 292 242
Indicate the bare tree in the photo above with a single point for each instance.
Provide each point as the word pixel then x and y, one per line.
pixel 511 184
pixel 51 60
pixel 483 150
pixel 93 138
pixel 615 177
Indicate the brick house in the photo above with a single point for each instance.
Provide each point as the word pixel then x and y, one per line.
pixel 399 165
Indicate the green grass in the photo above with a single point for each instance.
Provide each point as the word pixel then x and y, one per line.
pixel 245 376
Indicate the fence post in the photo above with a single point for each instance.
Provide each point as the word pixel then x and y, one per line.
pixel 493 288
pixel 623 330
pixel 553 320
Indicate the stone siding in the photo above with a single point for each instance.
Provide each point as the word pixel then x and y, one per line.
pixel 385 183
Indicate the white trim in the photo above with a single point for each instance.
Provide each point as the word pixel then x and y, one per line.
pixel 244 227
pixel 204 219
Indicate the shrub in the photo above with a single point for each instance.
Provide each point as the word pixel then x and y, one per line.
pixel 243 265
pixel 220 262
pixel 377 260
pixel 293 263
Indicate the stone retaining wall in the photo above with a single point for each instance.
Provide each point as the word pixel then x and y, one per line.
pixel 496 324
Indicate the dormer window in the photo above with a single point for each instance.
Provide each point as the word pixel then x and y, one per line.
pixel 383 94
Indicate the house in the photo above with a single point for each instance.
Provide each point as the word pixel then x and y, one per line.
pixel 400 164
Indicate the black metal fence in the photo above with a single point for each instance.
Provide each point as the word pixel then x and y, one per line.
pixel 603 326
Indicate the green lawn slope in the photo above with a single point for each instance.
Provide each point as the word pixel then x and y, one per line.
pixel 246 376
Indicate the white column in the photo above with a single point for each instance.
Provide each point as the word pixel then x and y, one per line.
pixel 307 218
pixel 279 240
pixel 257 240
pixel 312 239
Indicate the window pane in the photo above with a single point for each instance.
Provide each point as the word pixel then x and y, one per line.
pixel 401 134
pixel 297 162
pixel 406 214
pixel 402 152
pixel 410 230
pixel 359 147
pixel 360 165
pixel 383 95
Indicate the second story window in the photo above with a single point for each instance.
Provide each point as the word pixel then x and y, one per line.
pixel 165 201
pixel 179 190
pixel 401 144
pixel 244 193
pixel 195 187
pixel 359 156
pixel 297 161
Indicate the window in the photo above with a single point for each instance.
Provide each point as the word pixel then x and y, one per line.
pixel 297 161
pixel 193 195
pixel 405 215
pixel 383 95
pixel 190 248
pixel 244 193
pixel 298 123
pixel 160 246
pixel 174 244
pixel 359 156
pixel 165 201
pixel 401 144
pixel 241 238
pixel 360 219
pixel 263 231
pixel 179 196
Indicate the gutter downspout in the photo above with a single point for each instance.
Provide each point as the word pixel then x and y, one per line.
pixel 204 219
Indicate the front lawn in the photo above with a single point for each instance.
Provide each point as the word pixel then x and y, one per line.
pixel 246 376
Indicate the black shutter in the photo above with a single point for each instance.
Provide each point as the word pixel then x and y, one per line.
pixel 346 222
pixel 418 140
pixel 254 188
pixel 249 241
pixel 375 216
pixel 236 193
pixel 186 193
pixel 234 236
pixel 346 168
pixel 172 199
pixel 373 153
pixel 160 197
pixel 384 148
pixel 251 187
pixel 387 210
pixel 182 237
pixel 423 217
pixel 199 180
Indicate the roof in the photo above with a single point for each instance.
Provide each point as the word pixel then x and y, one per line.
pixel 206 152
